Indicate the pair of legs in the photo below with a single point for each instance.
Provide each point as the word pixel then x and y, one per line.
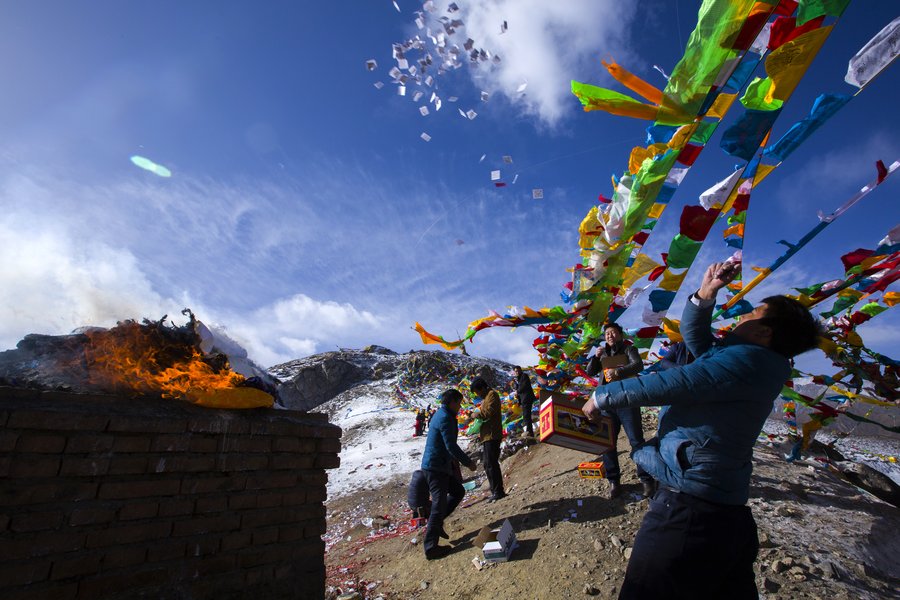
pixel 491 456
pixel 526 419
pixel 688 548
pixel 630 420
pixel 446 493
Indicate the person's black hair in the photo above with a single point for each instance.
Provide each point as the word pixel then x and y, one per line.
pixel 478 385
pixel 615 326
pixel 517 368
pixel 794 329
pixel 451 395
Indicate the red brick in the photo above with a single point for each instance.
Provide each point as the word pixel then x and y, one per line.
pixel 91 516
pixel 316 494
pixel 268 500
pixel 199 525
pixel 89 444
pixel 213 483
pixel 310 548
pixel 263 556
pixel 315 477
pixel 127 465
pixel 211 504
pixel 23 573
pixel 165 550
pixel 128 534
pixel 77 565
pixel 290 533
pixel 328 461
pixel 146 425
pixel 241 462
pixel 215 564
pixel 203 546
pixel 314 528
pixel 235 540
pixel 36 521
pixel 34 466
pixel 328 445
pixel 257 445
pixel 242 501
pixel 262 537
pixel 4 522
pixel 273 427
pixel 289 444
pixel 5 463
pixel 272 480
pixel 204 444
pixel 130 581
pixel 138 510
pixel 8 440
pixel 138 489
pixel 84 467
pixel 129 444
pixel 38 492
pixel 202 463
pixel 41 443
pixel 292 461
pixel 252 519
pixel 294 498
pixel 323 430
pixel 174 507
pixel 56 421
pixel 48 591
pixel 124 556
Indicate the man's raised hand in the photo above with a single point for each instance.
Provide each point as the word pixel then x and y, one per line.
pixel 717 276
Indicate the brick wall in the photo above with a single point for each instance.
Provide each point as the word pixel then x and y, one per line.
pixel 120 498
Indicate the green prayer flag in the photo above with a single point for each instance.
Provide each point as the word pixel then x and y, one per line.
pixel 704 131
pixel 647 183
pixel 810 9
pixel 755 95
pixel 682 252
pixel 872 309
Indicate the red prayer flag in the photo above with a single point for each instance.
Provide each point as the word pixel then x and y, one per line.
pixel 741 202
pixel 641 237
pixel 689 154
pixel 786 7
pixel 882 171
pixel 784 29
pixel 696 222
pixel 851 259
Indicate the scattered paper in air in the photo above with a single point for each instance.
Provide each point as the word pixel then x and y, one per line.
pixel 397 6
pixel 471 114
pixel 462 113
pixel 149 165
pixel 661 72
pixel 495 175
pixel 371 64
pixel 537 194
pixel 483 156
pixel 485 96
pixel 423 110
pixel 521 88
pixel 507 159
pixel 417 96
pixel 452 99
pixel 425 137
pixel 503 28
pixel 515 178
pixel 452 7
pixel 378 85
pixel 401 90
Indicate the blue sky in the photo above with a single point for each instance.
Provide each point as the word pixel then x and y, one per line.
pixel 305 213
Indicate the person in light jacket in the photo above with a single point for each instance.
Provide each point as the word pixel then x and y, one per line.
pixel 699 539
pixel 491 435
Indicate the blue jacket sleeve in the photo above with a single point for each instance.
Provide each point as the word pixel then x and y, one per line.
pixel 695 327
pixel 449 433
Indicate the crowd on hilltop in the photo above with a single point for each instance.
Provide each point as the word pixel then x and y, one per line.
pixel 698 538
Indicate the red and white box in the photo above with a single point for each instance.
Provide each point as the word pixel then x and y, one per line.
pixel 563 424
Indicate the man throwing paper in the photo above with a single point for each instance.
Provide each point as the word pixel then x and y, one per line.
pixel 699 540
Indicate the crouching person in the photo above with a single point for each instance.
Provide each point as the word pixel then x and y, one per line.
pixel 419 498
pixel 699 539
pixel 437 468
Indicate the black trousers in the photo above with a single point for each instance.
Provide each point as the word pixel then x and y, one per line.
pixel 438 486
pixel 491 457
pixel 630 420
pixel 688 548
pixel 526 418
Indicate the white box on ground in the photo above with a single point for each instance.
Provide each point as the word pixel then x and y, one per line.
pixel 502 543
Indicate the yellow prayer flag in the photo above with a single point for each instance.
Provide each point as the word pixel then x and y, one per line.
pixel 787 64
pixel 721 105
pixel 671 281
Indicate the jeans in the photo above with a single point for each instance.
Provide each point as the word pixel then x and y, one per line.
pixel 630 420
pixel 438 485
pixel 491 457
pixel 688 548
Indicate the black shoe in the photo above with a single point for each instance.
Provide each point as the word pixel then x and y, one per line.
pixel 649 488
pixel 443 534
pixel 615 490
pixel 496 497
pixel 437 552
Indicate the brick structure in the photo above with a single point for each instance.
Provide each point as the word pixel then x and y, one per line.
pixel 113 497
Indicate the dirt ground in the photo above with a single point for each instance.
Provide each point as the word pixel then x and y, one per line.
pixel 820 536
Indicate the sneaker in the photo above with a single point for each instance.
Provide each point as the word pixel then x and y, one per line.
pixel 615 490
pixel 649 488
pixel 437 552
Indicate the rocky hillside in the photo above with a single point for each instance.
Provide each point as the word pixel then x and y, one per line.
pixel 311 381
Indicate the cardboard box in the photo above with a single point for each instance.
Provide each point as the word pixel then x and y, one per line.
pixel 563 424
pixel 592 470
pixel 498 543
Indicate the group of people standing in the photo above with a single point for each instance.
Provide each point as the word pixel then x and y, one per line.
pixel 698 539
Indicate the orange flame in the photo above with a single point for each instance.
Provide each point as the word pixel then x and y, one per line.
pixel 135 358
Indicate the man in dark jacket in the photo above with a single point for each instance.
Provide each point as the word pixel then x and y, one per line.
pixel 628 418
pixel 699 540
pixel 491 435
pixel 525 398
pixel 437 465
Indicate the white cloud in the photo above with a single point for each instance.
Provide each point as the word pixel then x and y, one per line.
pixel 547 44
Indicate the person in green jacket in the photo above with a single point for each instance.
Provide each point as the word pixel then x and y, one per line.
pixel 491 435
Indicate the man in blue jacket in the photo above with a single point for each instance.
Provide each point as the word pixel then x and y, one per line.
pixel 699 539
pixel 437 465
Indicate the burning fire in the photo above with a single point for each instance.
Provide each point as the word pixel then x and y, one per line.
pixel 154 358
